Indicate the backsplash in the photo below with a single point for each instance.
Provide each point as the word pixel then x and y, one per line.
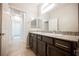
pixel 68 33
pixel 60 32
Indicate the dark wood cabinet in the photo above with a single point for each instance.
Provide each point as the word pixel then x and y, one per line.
pixel 51 46
pixel 30 41
pixel 34 44
pixel 66 45
pixel 54 51
pixel 39 37
pixel 47 39
pixel 41 48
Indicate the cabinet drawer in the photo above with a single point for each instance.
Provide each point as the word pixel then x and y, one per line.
pixel 54 51
pixel 47 39
pixel 33 36
pixel 63 44
pixel 39 37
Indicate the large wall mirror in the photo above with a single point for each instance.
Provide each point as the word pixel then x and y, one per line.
pixel 33 23
pixel 36 23
pixel 63 18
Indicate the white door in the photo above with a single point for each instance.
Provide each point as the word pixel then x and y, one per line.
pixel 11 27
pixel 6 29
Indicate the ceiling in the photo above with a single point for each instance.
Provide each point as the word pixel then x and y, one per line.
pixel 25 4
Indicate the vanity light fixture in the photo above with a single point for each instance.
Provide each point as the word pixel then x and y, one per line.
pixel 47 7
pixel 44 5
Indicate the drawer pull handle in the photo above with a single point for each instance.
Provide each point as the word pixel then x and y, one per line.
pixel 61 45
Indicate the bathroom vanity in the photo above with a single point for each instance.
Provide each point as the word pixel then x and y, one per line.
pixel 49 44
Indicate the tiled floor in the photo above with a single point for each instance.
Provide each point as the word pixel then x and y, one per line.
pixel 18 48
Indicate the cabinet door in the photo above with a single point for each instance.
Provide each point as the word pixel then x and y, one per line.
pixel 47 39
pixel 30 41
pixel 66 45
pixel 41 48
pixel 54 51
pixel 35 46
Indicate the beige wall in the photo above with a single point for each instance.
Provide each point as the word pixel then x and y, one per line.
pixel 67 14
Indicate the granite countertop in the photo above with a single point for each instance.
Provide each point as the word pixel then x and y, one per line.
pixel 61 36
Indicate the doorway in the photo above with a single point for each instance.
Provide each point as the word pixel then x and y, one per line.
pixel 17 30
pixel 17 26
